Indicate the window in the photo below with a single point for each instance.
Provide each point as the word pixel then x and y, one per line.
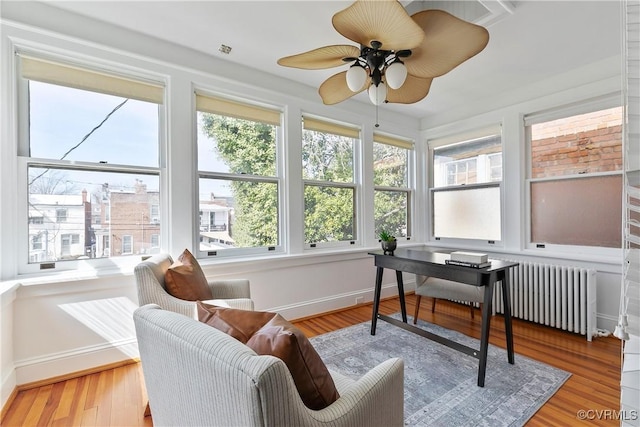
pixel 61 215
pixel 36 242
pixel 36 220
pixel 575 180
pixel 127 244
pixel 328 151
pixel 155 213
pixel 90 150
pixel 392 194
pixel 466 194
pixel 239 182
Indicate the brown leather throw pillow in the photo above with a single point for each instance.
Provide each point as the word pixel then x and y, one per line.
pixel 240 324
pixel 271 334
pixel 186 280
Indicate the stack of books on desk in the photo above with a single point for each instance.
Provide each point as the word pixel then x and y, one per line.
pixel 469 259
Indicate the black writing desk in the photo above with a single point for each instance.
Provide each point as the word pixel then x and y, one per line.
pixel 433 264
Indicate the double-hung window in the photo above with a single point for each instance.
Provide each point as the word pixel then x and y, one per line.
pixel 575 176
pixel 392 188
pixel 466 186
pixel 239 177
pixel 328 173
pixel 89 156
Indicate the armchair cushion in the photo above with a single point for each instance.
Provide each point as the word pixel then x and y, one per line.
pixel 271 334
pixel 185 279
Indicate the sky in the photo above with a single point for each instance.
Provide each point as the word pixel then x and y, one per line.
pixel 61 117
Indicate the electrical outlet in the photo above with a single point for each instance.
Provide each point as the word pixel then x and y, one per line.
pixel 359 300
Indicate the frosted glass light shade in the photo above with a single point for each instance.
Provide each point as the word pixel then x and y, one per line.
pixel 396 74
pixel 377 94
pixel 356 76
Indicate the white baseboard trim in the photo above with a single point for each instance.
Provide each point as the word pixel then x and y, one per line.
pixel 336 302
pixel 8 386
pixel 76 360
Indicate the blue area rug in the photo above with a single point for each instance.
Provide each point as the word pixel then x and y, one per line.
pixel 441 383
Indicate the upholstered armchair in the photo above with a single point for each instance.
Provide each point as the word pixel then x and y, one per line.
pixel 197 375
pixel 151 287
pixel 446 289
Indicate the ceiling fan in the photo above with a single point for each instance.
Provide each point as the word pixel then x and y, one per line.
pixel 399 55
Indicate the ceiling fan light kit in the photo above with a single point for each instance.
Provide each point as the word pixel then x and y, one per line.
pixel 378 93
pixel 356 77
pixel 399 55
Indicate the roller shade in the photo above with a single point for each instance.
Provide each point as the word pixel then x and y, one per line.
pixel 601 103
pixel 80 78
pixel 317 125
pixel 466 136
pixel 226 107
pixel 392 140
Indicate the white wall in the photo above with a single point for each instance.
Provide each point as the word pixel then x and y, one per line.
pixel 62 323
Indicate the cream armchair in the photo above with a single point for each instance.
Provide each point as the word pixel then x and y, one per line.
pixel 196 375
pixel 151 289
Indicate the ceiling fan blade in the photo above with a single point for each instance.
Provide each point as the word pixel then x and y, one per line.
pixel 413 90
pixel 448 42
pixel 321 58
pixel 335 89
pixel 385 21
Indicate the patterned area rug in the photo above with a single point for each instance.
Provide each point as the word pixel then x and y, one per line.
pixel 440 383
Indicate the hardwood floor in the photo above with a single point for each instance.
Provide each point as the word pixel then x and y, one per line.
pixel 116 397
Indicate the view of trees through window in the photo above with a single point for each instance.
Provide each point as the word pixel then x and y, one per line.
pixel 238 185
pixel 329 190
pixel 391 189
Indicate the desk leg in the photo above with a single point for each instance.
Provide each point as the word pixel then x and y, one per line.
pixel 484 335
pixel 376 299
pixel 508 330
pixel 403 306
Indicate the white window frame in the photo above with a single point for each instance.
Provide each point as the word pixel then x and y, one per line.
pixel 24 161
pixel 462 138
pixel 587 106
pixel 381 138
pixel 278 179
pixel 355 185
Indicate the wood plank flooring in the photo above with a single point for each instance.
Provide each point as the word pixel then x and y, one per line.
pixel 116 397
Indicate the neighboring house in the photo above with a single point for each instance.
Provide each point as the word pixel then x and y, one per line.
pixel 215 220
pixel 58 226
pixel 129 221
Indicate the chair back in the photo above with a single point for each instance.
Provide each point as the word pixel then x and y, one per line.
pixel 150 277
pixel 196 375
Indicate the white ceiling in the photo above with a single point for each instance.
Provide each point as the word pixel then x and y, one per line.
pixel 530 40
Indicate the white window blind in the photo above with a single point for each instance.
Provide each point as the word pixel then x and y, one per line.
pixel 238 110
pixel 392 140
pixel 471 135
pixel 318 125
pixel 97 81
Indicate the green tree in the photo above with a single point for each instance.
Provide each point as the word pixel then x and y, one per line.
pixel 390 170
pixel 248 147
pixel 329 210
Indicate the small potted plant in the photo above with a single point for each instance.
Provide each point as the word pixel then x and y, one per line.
pixel 389 242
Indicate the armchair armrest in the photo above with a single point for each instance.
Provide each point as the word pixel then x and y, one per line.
pixel 230 289
pixel 167 301
pixel 376 399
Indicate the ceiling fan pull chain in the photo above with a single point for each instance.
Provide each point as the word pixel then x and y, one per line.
pixel 377 124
